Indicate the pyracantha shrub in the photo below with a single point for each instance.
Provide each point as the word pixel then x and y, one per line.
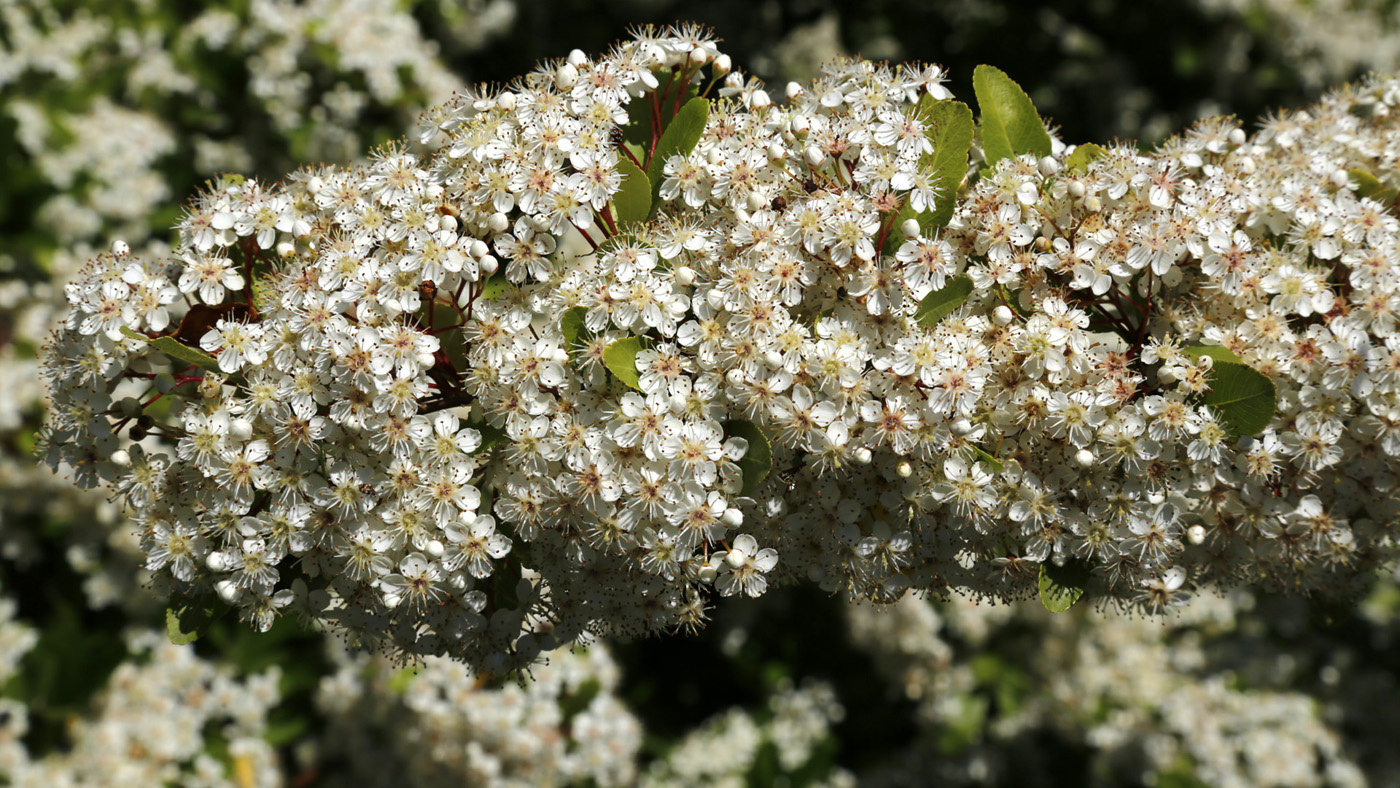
pixel 634 335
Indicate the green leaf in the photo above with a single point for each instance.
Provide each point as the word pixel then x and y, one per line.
pixel 1083 155
pixel 621 359
pixel 1062 586
pixel 757 462
pixel 680 138
pixel 1010 124
pixel 173 348
pixel 638 130
pixel 949 128
pixel 985 457
pixel 1368 185
pixel 1243 396
pixel 573 328
pixel 1216 353
pixel 494 287
pixel 632 203
pixel 940 303
pixel 184 624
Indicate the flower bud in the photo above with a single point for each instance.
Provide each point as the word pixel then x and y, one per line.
pixel 1195 534
pixel 962 427
pixel 698 56
pixel 735 558
pixel 498 222
pixel 217 561
pixel 685 276
pixel 714 156
pixel 240 429
pixel 228 591
pixel 792 91
pixel 121 248
pixel 723 65
pixel 732 517
pixel 815 155
pixel 506 100
pixel 121 458
pixel 449 223
pixel 1084 458
pixel 436 548
pixel 566 77
pixel 1076 189
pixel 577 57
pixel 1048 166
pixel 735 376
pixel 904 469
pixel 800 126
pixel 1237 137
pixel 776 152
pixel 1003 315
pixel 478 249
pixel 909 228
pixel 755 201
pixel 760 99
pixel 487 265
pixel 773 359
pixel 1340 179
pixel 707 574
pixel 861 456
pixel 164 384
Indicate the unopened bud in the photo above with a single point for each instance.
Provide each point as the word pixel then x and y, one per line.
pixel 487 265
pixel 723 65
pixel 566 77
pixel 436 548
pixel 685 276
pixel 732 517
pixel 1237 137
pixel 1084 458
pixel 506 101
pixel 121 248
pixel 217 561
pixel 121 458
pixel 577 57
pixel 1003 315
pixel 1076 189
pixel 1049 165
pixel 228 591
pixel 760 100
pixel 792 91
pixel 714 156
pixel 776 152
pixel 478 249
pixel 773 359
pixel 904 469
pixel 1340 179
pixel 240 429
pixel 861 455
pixel 735 376
pixel 449 223
pixel 707 574
pixel 286 249
pixel 909 228
pixel 755 201
pixel 498 222
pixel 129 407
pixel 815 156
pixel 698 56
pixel 1195 534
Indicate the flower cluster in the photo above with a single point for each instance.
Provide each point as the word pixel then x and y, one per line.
pixel 635 334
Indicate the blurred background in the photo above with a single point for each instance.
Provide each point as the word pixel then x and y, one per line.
pixel 113 112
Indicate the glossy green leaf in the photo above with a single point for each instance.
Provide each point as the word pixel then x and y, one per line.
pixel 1368 185
pixel 1243 396
pixel 639 127
pixel 621 359
pixel 949 127
pixel 632 203
pixel 679 139
pixel 1215 352
pixel 940 303
pixel 1010 124
pixel 494 287
pixel 573 328
pixel 985 457
pixel 173 348
pixel 757 462
pixel 1078 162
pixel 185 623
pixel 1062 586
